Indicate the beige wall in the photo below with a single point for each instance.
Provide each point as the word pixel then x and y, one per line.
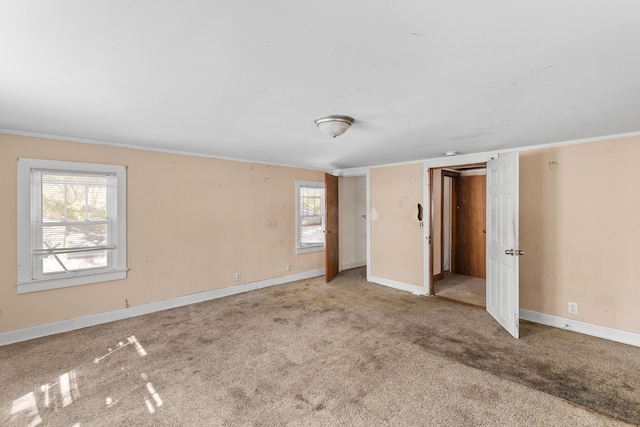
pixel 580 228
pixel 396 236
pixel 192 223
pixel 352 202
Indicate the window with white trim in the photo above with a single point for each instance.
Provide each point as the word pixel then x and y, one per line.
pixel 71 224
pixel 310 216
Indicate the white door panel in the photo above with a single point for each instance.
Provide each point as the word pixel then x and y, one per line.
pixel 502 241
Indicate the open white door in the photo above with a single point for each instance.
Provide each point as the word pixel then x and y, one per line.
pixel 502 241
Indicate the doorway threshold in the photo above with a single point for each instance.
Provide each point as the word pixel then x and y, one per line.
pixel 482 307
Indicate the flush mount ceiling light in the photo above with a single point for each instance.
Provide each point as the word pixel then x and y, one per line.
pixel 451 153
pixel 334 125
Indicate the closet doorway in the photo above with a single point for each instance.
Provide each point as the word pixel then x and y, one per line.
pixel 352 221
pixel 459 233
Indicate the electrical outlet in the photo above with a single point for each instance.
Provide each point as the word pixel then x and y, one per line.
pixel 288 267
pixel 573 308
pixel 237 277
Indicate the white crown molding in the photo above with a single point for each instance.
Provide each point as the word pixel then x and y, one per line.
pixel 139 147
pixel 575 142
pixel 351 172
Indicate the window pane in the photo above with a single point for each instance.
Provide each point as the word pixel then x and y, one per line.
pixel 74 236
pixel 76 208
pixel 311 201
pixel 74 198
pixel 97 203
pixel 73 261
pixel 77 199
pixel 53 237
pixel 53 202
pixel 311 234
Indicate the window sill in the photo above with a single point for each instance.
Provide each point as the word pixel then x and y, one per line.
pixel 309 249
pixel 68 281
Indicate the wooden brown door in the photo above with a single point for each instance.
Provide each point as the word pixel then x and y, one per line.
pixel 331 242
pixel 469 234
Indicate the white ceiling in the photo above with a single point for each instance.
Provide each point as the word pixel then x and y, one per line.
pixel 245 79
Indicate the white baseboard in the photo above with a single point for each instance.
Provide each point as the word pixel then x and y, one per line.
pixel 415 289
pixel 139 310
pixel 612 334
pixel 351 265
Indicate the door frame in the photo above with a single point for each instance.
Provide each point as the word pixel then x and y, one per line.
pixel 452 175
pixel 426 196
pixel 366 173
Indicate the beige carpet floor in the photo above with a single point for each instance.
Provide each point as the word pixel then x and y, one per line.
pixel 458 287
pixel 347 353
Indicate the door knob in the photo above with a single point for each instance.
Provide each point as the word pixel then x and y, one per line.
pixel 520 252
pixel 326 231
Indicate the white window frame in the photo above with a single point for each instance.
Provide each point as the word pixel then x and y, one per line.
pixel 28 280
pixel 300 248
